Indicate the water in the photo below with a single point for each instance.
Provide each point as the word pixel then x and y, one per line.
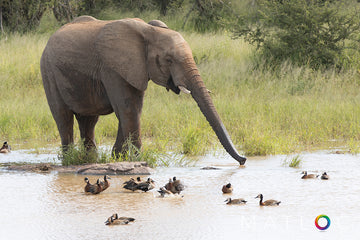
pixel 53 206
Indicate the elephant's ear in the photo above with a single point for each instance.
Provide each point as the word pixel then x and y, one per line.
pixel 121 47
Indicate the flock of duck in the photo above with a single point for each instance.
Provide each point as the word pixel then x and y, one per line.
pixel 174 186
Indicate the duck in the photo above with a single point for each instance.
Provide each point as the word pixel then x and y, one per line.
pixel 169 185
pixel 235 201
pixel 175 186
pixel 163 192
pixel 148 185
pixel 130 184
pixel 116 220
pixel 227 188
pixel 92 188
pixel 105 184
pixel 324 176
pixel 307 176
pixel 5 148
pixel 269 202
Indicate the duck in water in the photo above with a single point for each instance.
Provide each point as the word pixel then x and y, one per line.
pixel 324 176
pixel 92 188
pixel 116 220
pixel 269 202
pixel 105 184
pixel 227 188
pixel 235 201
pixel 5 148
pixel 308 176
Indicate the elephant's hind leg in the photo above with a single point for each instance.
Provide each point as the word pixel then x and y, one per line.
pixel 63 116
pixel 87 129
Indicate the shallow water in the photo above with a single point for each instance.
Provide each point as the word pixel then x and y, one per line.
pixel 53 206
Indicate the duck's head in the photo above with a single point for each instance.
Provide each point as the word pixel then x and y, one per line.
pixel 304 172
pixel 106 177
pixel 138 179
pixel 228 200
pixel 109 221
pixel 228 185
pixel 259 196
pixel 86 180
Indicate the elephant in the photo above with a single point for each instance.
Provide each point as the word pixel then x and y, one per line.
pixel 92 67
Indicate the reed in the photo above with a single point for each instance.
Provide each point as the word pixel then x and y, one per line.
pixel 294 162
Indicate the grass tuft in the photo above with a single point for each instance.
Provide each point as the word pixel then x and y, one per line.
pixel 294 162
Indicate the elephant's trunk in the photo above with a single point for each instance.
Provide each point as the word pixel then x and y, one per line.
pixel 201 95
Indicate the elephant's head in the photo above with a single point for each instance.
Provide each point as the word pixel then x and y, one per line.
pixel 139 51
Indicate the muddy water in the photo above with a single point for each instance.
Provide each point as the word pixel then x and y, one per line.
pixel 53 206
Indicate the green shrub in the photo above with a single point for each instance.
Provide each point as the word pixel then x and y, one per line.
pixel 317 33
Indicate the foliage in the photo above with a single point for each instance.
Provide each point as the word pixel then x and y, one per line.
pixel 166 5
pixel 210 15
pixel 307 32
pixel 22 15
pixel 77 154
pixel 294 162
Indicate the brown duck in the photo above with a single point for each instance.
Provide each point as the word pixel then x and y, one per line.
pixel 5 148
pixel 308 176
pixel 235 201
pixel 105 184
pixel 92 188
pixel 324 176
pixel 115 220
pixel 175 186
pixel 227 188
pixel 269 202
pixel 130 184
pixel 146 186
pixel 163 192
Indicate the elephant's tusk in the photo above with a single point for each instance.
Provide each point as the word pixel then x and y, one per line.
pixel 184 90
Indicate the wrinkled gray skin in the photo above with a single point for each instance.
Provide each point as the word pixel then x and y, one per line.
pixel 91 67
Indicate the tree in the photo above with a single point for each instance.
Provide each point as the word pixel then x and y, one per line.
pixel 22 15
pixel 311 32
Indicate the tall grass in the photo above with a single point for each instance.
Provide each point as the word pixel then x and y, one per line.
pixel 286 110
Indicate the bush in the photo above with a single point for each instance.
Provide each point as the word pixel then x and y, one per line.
pixel 210 15
pixel 306 32
pixel 22 15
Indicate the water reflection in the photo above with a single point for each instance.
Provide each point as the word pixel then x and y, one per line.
pixel 54 206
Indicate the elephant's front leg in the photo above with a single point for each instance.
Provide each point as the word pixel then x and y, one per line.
pixel 128 111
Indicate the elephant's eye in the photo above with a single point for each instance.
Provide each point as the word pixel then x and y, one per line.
pixel 169 61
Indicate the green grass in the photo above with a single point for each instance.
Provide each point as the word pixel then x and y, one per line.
pixel 285 111
pixel 294 162
pixel 77 154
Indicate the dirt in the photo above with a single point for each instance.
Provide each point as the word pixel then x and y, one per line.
pixel 120 168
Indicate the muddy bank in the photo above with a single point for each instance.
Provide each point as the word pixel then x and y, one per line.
pixel 120 168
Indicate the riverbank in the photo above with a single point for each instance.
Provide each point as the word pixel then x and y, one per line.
pixel 119 168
